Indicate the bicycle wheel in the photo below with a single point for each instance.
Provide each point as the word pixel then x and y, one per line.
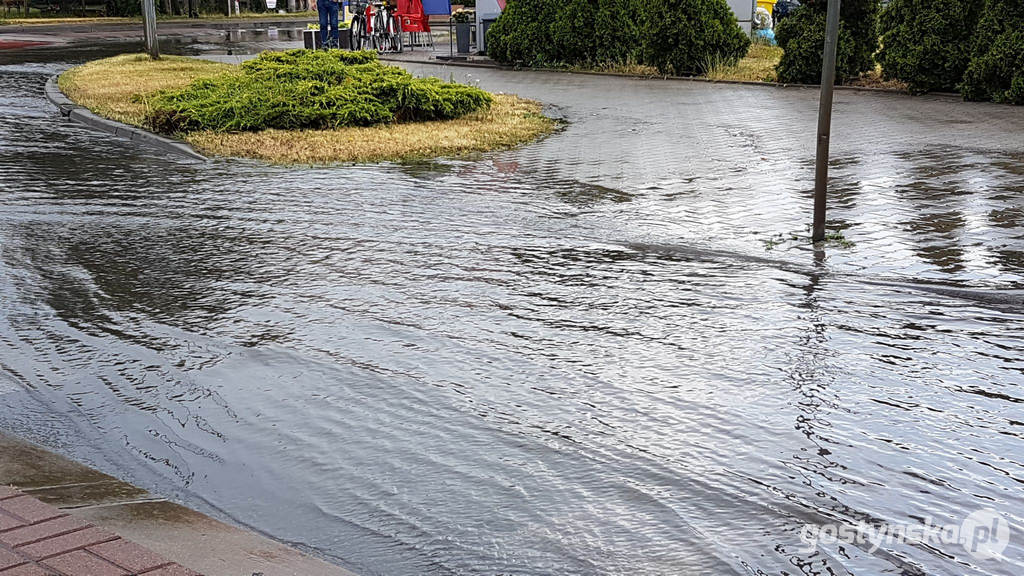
pixel 396 28
pixel 385 41
pixel 363 34
pixel 357 32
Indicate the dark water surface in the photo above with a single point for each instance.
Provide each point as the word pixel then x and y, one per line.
pixel 500 366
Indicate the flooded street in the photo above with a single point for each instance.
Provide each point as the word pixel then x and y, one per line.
pixel 609 352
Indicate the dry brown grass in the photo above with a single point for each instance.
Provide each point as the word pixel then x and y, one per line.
pixel 510 122
pixel 111 88
pixel 628 69
pixel 108 87
pixel 874 79
pixel 757 66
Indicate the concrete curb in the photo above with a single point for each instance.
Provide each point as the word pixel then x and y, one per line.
pixel 82 115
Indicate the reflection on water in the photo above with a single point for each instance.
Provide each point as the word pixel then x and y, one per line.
pixel 482 367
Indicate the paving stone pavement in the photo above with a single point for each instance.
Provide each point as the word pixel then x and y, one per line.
pixel 922 188
pixel 925 188
pixel 37 539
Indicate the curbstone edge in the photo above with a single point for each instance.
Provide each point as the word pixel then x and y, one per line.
pixel 82 115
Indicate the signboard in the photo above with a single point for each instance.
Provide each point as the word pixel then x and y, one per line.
pixel 435 7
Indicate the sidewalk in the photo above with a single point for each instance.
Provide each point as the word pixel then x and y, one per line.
pixel 38 539
pixel 59 518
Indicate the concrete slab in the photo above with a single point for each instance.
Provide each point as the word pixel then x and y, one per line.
pixel 204 544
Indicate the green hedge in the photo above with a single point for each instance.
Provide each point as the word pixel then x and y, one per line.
pixel 996 71
pixel 690 36
pixel 305 89
pixel 675 36
pixel 619 39
pixel 523 33
pixel 802 38
pixel 927 43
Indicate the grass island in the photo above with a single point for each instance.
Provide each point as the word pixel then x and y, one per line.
pixel 304 107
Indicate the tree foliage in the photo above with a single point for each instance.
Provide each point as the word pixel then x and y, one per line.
pixel 802 38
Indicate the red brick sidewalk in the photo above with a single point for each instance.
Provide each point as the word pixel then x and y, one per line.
pixel 39 540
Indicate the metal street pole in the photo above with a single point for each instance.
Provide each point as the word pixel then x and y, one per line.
pixel 149 28
pixel 828 80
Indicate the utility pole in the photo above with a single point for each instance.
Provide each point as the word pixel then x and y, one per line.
pixel 828 80
pixel 149 28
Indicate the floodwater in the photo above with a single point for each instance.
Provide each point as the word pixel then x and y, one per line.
pixel 485 367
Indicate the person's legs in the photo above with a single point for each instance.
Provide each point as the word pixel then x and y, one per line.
pixel 335 36
pixel 323 11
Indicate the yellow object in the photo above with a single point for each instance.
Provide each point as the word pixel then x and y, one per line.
pixel 768 5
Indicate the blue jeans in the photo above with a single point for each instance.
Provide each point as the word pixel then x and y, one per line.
pixel 328 20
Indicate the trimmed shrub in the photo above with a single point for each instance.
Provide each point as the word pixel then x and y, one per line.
pixel 927 43
pixel 305 89
pixel 676 36
pixel 522 35
pixel 573 33
pixel 618 41
pixel 860 18
pixel 802 38
pixel 689 36
pixel 996 71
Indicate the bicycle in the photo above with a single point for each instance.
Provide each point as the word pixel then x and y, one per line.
pixel 387 30
pixel 360 30
pixel 375 24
